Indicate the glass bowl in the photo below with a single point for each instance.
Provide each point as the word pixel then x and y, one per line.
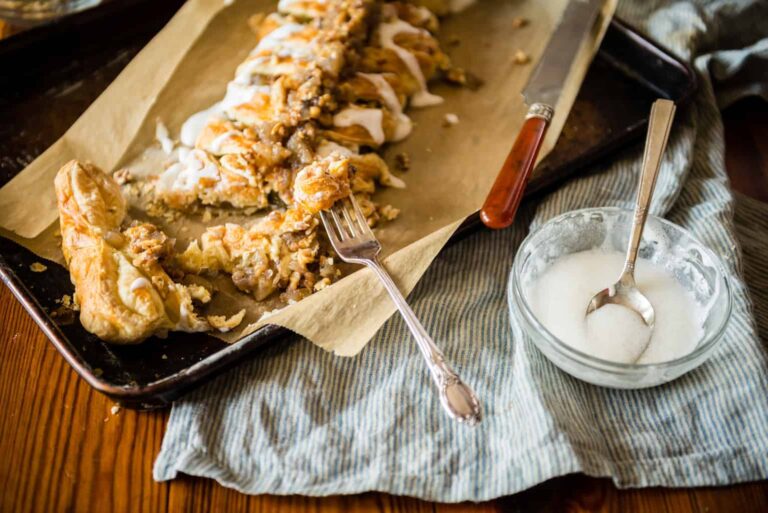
pixel 692 264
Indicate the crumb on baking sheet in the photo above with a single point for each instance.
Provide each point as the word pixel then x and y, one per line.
pixel 37 267
pixel 519 22
pixel 69 302
pixel 403 161
pixel 450 119
pixel 64 314
pixel 521 57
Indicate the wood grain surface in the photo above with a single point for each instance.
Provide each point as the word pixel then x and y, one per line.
pixel 63 448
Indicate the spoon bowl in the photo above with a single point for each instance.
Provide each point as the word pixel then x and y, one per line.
pixel 628 296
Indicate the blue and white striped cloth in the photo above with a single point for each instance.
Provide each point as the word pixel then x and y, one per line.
pixel 297 420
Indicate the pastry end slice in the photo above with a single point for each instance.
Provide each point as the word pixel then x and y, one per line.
pixel 125 295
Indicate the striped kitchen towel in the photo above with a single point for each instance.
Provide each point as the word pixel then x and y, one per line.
pixel 297 420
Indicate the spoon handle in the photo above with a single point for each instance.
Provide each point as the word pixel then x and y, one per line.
pixel 662 113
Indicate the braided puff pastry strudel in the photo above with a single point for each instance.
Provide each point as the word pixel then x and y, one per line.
pixel 124 294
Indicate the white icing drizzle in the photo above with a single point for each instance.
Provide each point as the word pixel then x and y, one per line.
pixel 370 119
pixel 186 174
pixel 390 180
pixel 140 283
pixel 388 97
pixel 325 148
pixel 192 127
pixel 245 70
pixel 237 94
pixel 161 134
pixel 281 42
pixel 280 37
pixel 221 139
pixel 387 33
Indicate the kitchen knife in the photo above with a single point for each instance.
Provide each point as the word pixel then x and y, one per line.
pixel 541 95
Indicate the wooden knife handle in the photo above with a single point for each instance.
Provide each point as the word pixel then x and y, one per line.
pixel 501 204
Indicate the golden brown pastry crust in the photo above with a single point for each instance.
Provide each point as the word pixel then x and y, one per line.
pixel 124 294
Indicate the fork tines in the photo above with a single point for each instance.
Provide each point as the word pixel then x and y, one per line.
pixel 345 222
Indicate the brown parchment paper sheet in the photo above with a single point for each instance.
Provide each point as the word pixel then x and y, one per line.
pixel 185 68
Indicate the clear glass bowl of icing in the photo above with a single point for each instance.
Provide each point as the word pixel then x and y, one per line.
pixel 665 244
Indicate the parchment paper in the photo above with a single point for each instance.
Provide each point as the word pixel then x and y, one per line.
pixel 185 68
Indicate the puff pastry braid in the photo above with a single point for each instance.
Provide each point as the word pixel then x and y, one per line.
pixel 299 127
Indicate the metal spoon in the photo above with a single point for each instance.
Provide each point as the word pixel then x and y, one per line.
pixel 625 292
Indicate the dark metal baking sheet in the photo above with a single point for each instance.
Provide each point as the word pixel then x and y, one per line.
pixel 59 69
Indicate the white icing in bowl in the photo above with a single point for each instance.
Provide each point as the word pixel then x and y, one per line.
pixel 666 245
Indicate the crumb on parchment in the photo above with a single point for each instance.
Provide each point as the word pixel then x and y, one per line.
pixel 456 76
pixel 389 213
pixel 37 267
pixel 224 324
pixel 521 57
pixel 403 161
pixel 450 119
pixel 519 22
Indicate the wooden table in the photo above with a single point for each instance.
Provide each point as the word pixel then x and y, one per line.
pixel 62 448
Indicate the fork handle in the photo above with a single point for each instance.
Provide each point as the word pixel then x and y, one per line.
pixel 458 400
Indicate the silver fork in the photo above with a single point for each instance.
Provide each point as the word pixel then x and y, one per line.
pixel 354 242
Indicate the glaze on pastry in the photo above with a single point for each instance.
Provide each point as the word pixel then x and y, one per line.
pixel 297 130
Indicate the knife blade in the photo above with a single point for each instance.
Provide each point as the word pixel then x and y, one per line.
pixel 541 94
